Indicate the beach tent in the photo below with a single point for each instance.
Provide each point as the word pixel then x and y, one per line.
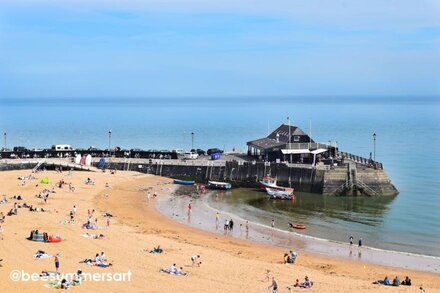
pixel 101 163
pixel 83 160
pixel 45 180
pixel 39 237
pixel 88 160
pixel 77 159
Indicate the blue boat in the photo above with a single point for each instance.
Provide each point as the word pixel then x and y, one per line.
pixel 184 182
pixel 219 185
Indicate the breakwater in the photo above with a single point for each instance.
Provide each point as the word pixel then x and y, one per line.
pixel 350 179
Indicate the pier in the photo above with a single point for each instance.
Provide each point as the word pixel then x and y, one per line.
pixel 287 154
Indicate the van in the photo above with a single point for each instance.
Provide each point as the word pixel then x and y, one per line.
pixel 191 156
pixel 62 147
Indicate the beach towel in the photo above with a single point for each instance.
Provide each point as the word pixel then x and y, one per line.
pixel 45 180
pixel 93 236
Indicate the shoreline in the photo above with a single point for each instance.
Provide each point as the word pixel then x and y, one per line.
pixel 301 242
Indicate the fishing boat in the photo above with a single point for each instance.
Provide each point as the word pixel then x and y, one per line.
pixel 269 182
pixel 184 182
pixel 219 185
pixel 279 194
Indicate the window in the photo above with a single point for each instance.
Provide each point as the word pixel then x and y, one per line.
pixel 296 138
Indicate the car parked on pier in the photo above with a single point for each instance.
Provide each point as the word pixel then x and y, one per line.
pixel 200 152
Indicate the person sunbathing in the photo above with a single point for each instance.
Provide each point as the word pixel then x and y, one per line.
pixel 156 249
pixel 173 270
pixel 195 259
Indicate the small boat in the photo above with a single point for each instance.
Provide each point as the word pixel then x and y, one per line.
pixel 184 182
pixel 297 226
pixel 219 185
pixel 269 182
pixel 279 194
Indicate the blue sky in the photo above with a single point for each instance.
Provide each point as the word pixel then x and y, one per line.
pixel 132 48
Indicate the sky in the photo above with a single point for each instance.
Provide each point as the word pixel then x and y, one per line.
pixel 175 48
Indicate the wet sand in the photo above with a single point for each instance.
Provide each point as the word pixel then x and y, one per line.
pixel 228 264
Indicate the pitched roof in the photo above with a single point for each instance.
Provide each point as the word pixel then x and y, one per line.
pixel 266 143
pixel 283 132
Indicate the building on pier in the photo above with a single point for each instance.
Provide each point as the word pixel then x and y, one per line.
pixel 289 143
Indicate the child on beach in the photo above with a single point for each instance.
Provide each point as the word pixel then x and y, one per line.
pixel 268 276
pixel 360 242
pixel 351 239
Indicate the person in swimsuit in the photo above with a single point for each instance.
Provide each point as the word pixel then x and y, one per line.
pixel 57 263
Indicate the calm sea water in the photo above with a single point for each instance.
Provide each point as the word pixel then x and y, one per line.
pixel 408 143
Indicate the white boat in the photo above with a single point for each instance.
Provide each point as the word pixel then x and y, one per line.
pixel 279 194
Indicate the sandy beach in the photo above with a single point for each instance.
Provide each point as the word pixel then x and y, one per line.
pixel 228 264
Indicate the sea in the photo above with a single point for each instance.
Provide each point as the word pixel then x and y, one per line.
pixel 407 143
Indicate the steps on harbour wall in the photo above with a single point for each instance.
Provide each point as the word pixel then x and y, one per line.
pixel 334 179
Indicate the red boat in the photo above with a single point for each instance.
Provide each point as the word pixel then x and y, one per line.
pixel 297 226
pixel 269 182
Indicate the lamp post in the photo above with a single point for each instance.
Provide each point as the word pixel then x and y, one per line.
pixel 5 141
pixel 329 148
pixel 374 147
pixel 109 141
pixel 192 140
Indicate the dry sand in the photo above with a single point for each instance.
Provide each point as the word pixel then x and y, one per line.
pixel 228 264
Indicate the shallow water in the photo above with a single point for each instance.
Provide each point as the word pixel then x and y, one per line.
pixel 203 216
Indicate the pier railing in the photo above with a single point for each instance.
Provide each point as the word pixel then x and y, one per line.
pixel 307 145
pixel 167 162
pixel 361 160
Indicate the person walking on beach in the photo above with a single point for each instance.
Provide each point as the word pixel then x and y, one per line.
pixel 1 233
pixel 108 222
pixel 189 208
pixel 351 239
pixel 274 286
pixel 231 225
pixel 57 262
pixel 360 242
pixel 148 197
pixel 273 223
